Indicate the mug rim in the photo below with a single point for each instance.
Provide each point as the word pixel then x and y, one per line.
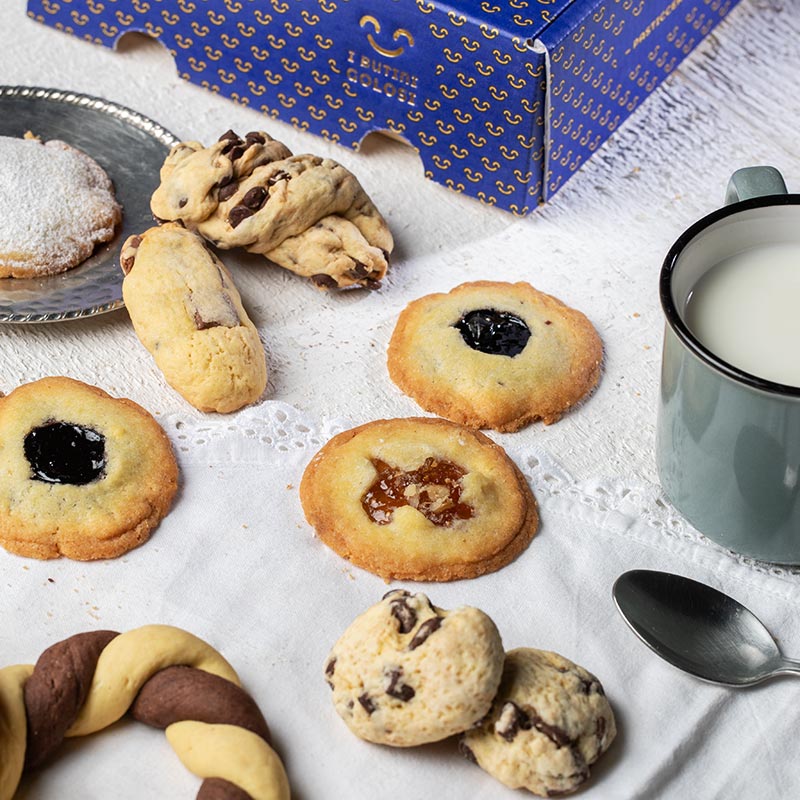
pixel 674 319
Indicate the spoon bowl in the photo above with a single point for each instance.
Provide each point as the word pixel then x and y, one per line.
pixel 698 629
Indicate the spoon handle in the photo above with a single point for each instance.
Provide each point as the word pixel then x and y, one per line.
pixel 788 665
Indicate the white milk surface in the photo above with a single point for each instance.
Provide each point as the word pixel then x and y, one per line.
pixel 746 310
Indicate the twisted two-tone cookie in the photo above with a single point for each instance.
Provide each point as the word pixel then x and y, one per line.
pixel 168 679
pixel 302 212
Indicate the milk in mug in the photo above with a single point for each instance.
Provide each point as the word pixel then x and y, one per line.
pixel 746 310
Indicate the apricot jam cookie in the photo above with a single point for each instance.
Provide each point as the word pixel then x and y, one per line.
pixel 406 672
pixel 187 312
pixel 494 355
pixel 56 205
pixel 419 499
pixel 85 475
pixel 549 723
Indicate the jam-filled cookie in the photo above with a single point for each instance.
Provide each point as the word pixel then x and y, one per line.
pixel 187 312
pixel 406 672
pixel 419 499
pixel 85 475
pixel 494 355
pixel 549 723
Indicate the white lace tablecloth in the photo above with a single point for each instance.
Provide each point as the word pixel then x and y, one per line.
pixel 235 562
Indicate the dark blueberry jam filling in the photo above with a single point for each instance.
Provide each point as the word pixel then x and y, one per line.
pixel 496 333
pixel 61 452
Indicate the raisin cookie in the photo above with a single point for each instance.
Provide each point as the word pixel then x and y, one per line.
pixel 419 499
pixel 494 355
pixel 406 672
pixel 85 475
pixel 56 205
pixel 187 312
pixel 307 214
pixel 549 723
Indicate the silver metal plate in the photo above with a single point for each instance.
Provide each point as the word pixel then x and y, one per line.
pixel 131 148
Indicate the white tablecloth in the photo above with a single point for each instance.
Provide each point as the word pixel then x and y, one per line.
pixel 235 561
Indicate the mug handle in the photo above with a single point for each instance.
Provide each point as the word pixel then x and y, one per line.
pixel 754 182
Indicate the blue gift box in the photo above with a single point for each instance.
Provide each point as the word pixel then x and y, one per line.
pixel 503 99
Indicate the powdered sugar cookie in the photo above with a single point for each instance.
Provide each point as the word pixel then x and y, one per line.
pixel 56 205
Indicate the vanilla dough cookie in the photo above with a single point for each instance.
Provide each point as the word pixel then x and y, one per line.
pixel 307 214
pixel 406 672
pixel 419 499
pixel 549 722
pixel 494 355
pixel 85 475
pixel 187 312
pixel 56 205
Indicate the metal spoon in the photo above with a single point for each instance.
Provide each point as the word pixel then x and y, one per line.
pixel 699 629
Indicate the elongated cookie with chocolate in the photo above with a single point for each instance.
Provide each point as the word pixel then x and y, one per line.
pixel 419 499
pixel 302 212
pixel 85 475
pixel 187 312
pixel 494 355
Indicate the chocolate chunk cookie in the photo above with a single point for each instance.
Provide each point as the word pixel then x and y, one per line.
pixel 419 499
pixel 56 205
pixel 302 212
pixel 549 723
pixel 494 355
pixel 406 672
pixel 85 475
pixel 187 312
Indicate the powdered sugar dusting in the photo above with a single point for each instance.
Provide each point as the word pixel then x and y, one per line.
pixel 56 205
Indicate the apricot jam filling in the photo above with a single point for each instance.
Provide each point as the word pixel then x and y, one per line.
pixel 434 489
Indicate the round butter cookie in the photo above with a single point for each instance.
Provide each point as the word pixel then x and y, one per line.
pixel 549 722
pixel 494 355
pixel 406 672
pixel 419 499
pixel 56 205
pixel 85 475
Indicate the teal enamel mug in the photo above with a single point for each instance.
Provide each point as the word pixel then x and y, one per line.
pixel 728 432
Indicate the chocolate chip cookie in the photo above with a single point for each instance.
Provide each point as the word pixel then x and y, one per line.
pixel 187 312
pixel 494 355
pixel 549 722
pixel 419 499
pixel 56 205
pixel 302 212
pixel 406 672
pixel 85 475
